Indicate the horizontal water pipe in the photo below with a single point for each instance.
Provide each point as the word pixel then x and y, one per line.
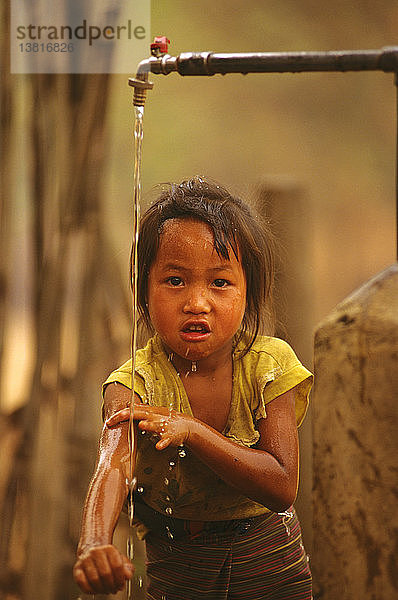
pixel 210 63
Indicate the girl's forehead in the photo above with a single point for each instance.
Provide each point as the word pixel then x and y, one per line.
pixel 186 238
pixel 180 232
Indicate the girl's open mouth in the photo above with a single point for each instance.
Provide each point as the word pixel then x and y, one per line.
pixel 195 331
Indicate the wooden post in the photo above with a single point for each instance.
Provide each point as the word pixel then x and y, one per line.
pixel 7 123
pixel 355 424
pixel 285 204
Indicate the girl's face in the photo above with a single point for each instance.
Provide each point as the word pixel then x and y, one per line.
pixel 196 299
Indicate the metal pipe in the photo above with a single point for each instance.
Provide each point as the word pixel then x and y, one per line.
pixel 210 63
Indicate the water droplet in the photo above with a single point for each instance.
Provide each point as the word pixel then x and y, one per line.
pixel 143 432
pixel 131 512
pixel 186 374
pixel 131 484
pixel 168 498
pixel 130 547
pixel 166 481
pixel 169 510
pixel 140 489
pixel 170 356
pixel 182 453
pixel 286 515
pixel 194 366
pixel 171 465
pixel 140 582
pixel 169 534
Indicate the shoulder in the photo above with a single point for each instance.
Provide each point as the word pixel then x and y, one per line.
pixel 271 351
pixel 147 363
pixel 271 345
pixel 275 368
pixel 152 354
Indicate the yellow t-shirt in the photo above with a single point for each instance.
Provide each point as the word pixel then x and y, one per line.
pixel 184 486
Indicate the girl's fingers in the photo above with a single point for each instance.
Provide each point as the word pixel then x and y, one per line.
pixel 116 563
pixel 139 412
pixel 118 417
pixel 128 567
pixel 102 570
pixel 157 426
pixel 163 443
pixel 92 576
pixel 142 411
pixel 82 581
pixel 122 415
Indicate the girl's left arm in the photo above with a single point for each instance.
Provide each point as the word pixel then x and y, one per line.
pixel 267 474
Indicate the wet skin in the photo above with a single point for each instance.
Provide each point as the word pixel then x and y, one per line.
pixel 196 302
pixel 100 566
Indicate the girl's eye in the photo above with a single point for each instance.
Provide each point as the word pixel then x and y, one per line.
pixel 175 281
pixel 220 283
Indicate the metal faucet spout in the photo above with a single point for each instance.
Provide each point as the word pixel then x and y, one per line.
pixel 155 64
pixel 141 84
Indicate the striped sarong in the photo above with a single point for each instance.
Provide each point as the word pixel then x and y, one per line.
pixel 258 559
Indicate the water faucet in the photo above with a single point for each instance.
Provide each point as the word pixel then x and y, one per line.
pixel 210 63
pixel 140 82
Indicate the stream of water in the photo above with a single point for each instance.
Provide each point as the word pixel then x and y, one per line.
pixel 138 137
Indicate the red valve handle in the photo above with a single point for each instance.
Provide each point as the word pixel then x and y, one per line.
pixel 160 45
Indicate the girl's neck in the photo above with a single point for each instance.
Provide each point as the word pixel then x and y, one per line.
pixel 203 367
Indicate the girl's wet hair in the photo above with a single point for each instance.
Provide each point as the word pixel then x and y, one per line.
pixel 235 229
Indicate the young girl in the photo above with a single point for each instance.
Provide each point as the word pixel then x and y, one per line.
pixel 218 404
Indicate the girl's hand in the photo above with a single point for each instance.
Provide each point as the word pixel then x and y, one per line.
pixel 172 427
pixel 102 570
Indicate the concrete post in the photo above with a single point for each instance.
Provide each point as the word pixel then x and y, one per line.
pixel 355 436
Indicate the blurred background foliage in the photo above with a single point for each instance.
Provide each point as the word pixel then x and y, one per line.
pixel 325 139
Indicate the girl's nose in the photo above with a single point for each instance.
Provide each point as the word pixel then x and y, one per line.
pixel 197 301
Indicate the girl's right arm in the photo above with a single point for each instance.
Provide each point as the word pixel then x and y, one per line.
pixel 100 567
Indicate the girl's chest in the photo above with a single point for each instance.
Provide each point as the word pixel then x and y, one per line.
pixel 210 400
